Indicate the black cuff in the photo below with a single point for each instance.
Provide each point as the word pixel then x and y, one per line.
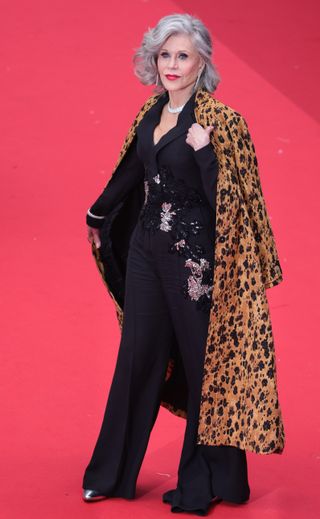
pixel 96 223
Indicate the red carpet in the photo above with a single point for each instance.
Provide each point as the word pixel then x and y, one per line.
pixel 65 67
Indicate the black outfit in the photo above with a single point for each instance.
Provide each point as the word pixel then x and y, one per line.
pixel 168 291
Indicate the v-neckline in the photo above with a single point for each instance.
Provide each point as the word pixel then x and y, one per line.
pixel 159 113
pixel 163 135
pixel 154 128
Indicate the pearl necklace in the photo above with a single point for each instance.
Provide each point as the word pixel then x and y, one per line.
pixel 175 110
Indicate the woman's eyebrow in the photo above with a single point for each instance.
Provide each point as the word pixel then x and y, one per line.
pixel 177 50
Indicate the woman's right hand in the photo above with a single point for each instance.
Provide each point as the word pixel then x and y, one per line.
pixel 94 236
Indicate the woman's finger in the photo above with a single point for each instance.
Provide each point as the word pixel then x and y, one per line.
pixel 89 236
pixel 96 238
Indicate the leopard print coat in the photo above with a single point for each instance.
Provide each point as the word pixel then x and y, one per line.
pixel 239 402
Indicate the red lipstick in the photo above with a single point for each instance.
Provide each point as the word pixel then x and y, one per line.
pixel 172 77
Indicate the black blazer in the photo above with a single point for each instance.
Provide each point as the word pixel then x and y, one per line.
pixel 198 169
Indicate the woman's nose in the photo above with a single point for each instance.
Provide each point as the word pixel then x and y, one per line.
pixel 173 62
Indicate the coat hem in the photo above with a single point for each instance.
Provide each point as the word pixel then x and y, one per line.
pixel 245 446
pixel 174 410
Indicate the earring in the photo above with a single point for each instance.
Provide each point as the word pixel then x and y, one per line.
pixel 198 77
pixel 157 79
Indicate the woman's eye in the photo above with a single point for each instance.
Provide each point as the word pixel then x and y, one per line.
pixel 165 55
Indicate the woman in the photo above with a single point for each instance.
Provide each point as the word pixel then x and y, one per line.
pixel 189 287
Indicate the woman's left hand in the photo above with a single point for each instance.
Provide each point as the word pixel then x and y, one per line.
pixel 198 137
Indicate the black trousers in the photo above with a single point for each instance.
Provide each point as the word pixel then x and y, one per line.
pixel 154 310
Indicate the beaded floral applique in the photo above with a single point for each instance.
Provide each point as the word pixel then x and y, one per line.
pixel 166 206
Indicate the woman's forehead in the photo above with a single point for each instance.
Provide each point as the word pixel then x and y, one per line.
pixel 183 41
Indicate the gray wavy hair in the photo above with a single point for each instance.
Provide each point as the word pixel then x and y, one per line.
pixel 145 57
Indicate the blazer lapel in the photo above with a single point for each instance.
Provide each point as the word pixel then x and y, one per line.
pixel 184 122
pixel 185 119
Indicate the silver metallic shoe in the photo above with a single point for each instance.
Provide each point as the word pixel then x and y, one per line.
pixel 92 495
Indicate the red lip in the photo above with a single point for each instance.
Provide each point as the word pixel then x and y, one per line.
pixel 172 77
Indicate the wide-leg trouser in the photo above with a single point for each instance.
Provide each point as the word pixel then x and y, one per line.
pixel 154 310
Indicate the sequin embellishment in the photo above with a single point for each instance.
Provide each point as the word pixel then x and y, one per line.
pixel 195 287
pixel 166 216
pixel 167 208
pixel 146 191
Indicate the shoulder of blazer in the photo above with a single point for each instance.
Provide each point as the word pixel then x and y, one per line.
pixel 208 110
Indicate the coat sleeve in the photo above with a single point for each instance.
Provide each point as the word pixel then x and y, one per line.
pixel 251 191
pixel 125 177
pixel 209 167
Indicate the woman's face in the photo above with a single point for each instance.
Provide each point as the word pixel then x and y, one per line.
pixel 178 63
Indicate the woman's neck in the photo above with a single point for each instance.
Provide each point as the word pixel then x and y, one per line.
pixel 179 97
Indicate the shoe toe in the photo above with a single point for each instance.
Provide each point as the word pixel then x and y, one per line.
pixel 92 495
